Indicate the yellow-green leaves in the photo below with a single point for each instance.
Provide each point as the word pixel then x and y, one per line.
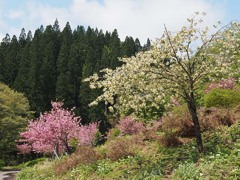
pixel 14 114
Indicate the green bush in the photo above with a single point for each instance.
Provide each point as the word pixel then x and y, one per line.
pixel 113 133
pixel 1 163
pixel 222 98
pixel 14 113
pixel 235 132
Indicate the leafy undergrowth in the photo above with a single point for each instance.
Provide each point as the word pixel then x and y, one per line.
pixel 151 154
pixel 24 165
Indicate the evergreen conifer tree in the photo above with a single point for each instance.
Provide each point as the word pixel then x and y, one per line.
pixel 11 62
pixel 62 86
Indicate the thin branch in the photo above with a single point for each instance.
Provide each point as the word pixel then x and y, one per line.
pixel 210 40
pixel 199 75
pixel 175 53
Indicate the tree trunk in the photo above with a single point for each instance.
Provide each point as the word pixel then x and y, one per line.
pixel 193 111
pixel 56 151
pixel 67 148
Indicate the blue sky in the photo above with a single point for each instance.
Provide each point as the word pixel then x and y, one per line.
pixel 137 18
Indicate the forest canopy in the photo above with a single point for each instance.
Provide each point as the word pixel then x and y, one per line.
pixel 50 64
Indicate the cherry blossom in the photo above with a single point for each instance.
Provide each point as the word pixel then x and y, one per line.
pixel 53 130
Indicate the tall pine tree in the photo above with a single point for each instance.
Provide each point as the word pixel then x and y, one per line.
pixel 11 62
pixel 21 82
pixel 63 84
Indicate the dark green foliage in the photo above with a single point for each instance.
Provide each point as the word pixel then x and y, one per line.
pixel 138 46
pixel 48 75
pixel 74 64
pixel 129 47
pixel 22 38
pixel 222 98
pixel 151 113
pixel 2 163
pixel 3 50
pixel 21 82
pixel 11 62
pixel 147 45
pixel 235 135
pixel 35 92
pixel 51 64
pixel 115 46
pixel 50 43
pixel 29 36
pixel 63 79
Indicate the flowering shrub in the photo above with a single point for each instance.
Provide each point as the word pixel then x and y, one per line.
pixel 53 131
pixel 129 126
pixel 223 84
pixel 87 134
pixel 24 148
pixel 176 65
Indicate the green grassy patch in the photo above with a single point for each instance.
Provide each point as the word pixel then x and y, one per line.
pixel 143 156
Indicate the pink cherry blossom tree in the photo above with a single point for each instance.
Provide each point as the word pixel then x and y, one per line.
pixel 53 130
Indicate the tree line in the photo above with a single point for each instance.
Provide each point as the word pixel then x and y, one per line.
pixel 51 64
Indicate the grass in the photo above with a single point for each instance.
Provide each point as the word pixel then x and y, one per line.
pixel 220 161
pixel 23 165
pixel 152 154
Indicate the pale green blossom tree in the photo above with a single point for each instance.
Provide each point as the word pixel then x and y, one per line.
pixel 176 66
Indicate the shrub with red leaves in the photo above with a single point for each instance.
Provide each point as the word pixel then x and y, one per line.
pixel 223 84
pixel 129 126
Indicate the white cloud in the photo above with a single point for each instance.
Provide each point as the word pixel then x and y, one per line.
pixel 138 18
pixel 45 15
pixel 32 17
pixel 141 18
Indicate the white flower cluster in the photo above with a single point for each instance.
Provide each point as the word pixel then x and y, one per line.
pixel 176 65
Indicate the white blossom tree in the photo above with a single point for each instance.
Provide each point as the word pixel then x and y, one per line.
pixel 176 66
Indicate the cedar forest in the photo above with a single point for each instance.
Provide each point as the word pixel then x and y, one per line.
pixel 51 64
